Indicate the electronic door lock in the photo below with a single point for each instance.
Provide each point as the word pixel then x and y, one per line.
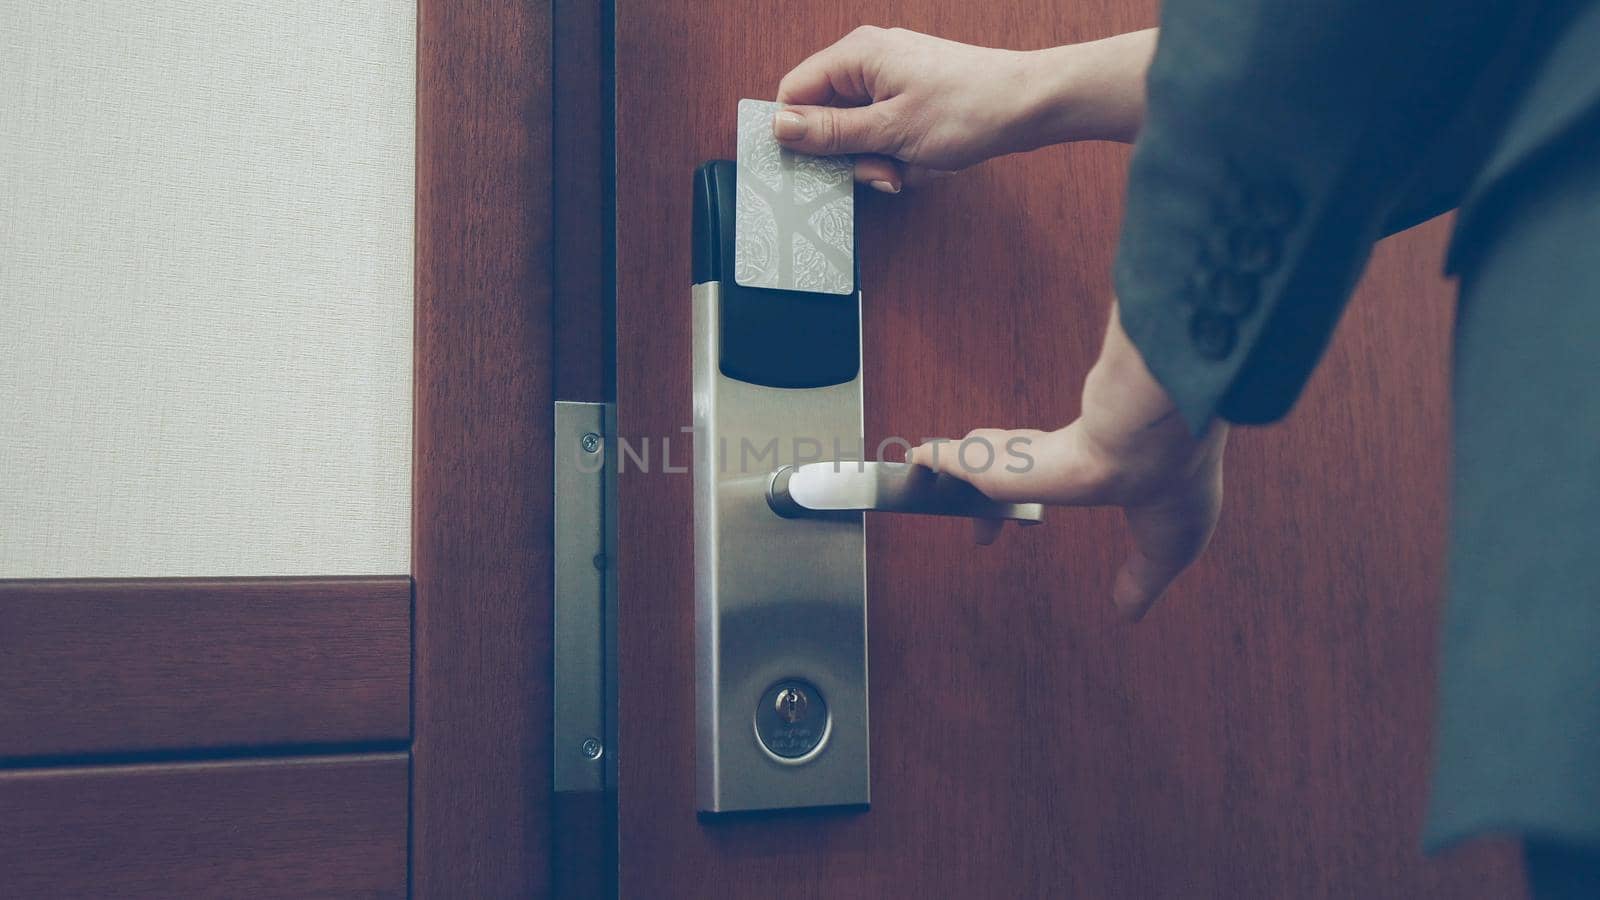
pixel 780 549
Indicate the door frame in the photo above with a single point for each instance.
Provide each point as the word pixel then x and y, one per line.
pixel 481 523
pixel 468 811
pixel 513 313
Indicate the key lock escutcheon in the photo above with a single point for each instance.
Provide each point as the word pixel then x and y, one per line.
pixel 780 553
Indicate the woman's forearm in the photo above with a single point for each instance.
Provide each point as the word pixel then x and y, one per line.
pixel 1092 91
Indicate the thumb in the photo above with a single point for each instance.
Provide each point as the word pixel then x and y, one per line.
pixel 1167 536
pixel 1139 584
pixel 833 130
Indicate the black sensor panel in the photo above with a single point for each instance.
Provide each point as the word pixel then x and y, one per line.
pixel 784 339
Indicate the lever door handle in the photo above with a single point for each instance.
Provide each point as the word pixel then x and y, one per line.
pixel 821 488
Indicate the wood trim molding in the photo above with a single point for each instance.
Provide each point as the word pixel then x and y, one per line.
pixel 302 827
pixel 583 206
pixel 482 497
pixel 104 668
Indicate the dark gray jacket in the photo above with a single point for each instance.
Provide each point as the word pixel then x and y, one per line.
pixel 1283 138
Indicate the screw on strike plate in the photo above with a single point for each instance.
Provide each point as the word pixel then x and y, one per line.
pixel 592 748
pixel 591 443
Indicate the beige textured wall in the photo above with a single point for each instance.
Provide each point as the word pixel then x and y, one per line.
pixel 205 287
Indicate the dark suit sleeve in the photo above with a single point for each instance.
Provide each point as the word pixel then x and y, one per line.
pixel 1281 138
pixel 1437 187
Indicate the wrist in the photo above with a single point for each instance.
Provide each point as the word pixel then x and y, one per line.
pixel 1124 378
pixel 1092 91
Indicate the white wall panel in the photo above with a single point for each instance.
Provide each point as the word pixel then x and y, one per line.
pixel 205 287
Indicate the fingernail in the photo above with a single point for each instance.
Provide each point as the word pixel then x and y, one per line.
pixel 788 125
pixel 887 187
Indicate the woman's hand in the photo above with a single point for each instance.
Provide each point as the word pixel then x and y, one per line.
pixel 1128 448
pixel 915 105
pixel 911 105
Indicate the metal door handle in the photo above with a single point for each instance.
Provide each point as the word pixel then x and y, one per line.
pixel 823 488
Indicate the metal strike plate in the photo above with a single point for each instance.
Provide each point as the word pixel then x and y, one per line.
pixel 780 602
pixel 584 732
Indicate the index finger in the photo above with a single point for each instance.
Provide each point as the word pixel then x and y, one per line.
pixel 834 73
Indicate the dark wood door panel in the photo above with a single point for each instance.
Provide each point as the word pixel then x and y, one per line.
pixel 292 828
pixel 482 471
pixel 1264 734
pixel 102 668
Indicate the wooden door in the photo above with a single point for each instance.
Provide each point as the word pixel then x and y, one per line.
pixel 1264 734
pixel 382 733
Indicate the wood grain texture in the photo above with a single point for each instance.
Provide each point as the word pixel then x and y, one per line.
pixel 581 200
pixel 584 861
pixel 583 825
pixel 1263 735
pixel 155 665
pixel 482 466
pixel 306 827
